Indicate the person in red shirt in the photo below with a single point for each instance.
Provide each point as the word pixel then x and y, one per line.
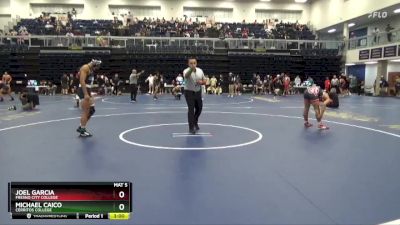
pixel 327 85
pixel 286 83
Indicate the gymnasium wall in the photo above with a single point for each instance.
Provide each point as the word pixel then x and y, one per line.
pixel 98 9
pixel 5 15
pixel 393 67
pixel 381 24
pixel 370 74
pixel 325 13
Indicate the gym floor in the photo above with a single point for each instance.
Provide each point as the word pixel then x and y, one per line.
pixel 252 163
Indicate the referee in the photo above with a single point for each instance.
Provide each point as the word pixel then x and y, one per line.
pixel 194 79
pixel 133 82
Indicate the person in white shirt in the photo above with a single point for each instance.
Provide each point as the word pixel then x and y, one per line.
pixel 297 81
pixel 194 79
pixel 150 80
pixel 376 35
pixel 335 84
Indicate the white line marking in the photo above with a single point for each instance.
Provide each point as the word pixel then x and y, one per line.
pixel 394 222
pixel 212 112
pixel 259 137
pixel 105 100
pixel 74 108
pixel 185 107
pixel 192 135
pixel 150 108
pixel 188 133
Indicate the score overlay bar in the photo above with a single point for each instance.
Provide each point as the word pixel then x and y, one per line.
pixel 70 200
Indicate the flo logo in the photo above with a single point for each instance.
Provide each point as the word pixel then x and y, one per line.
pixel 377 14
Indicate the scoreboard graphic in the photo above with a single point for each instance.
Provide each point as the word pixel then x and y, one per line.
pixel 70 200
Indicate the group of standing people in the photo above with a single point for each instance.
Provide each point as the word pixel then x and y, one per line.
pixel 344 85
pixel 281 84
pixel 106 86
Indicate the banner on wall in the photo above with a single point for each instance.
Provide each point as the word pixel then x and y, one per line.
pixel 390 51
pixel 363 54
pixel 376 53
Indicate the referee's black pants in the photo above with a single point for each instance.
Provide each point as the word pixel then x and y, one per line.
pixel 195 105
pixel 134 90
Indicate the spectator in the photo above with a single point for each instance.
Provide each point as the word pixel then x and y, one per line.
pixel 327 84
pixel 101 84
pixel 335 84
pixel 115 82
pixel 286 84
pixel 64 84
pixel 353 84
pixel 297 81
pixel 176 27
pixel 150 80
pixel 383 84
pixel 231 82
pixel 389 32
pixel 376 35
pixel 342 84
pixel 268 84
pixel 107 86
pixel 397 85
pixel 238 85
pixel 254 83
pixel 360 87
pixel 74 13
pixel 222 83
pixel 71 83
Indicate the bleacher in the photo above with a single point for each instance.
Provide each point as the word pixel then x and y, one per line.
pixel 168 56
pixel 97 27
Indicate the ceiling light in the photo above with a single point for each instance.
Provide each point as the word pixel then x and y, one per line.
pixel 350 64
pixel 373 62
pixel 397 11
pixel 331 30
pixel 395 60
pixel 351 24
pixel 300 1
pixel 265 0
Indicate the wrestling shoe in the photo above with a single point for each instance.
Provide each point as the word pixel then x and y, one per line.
pixel 307 124
pixel 323 127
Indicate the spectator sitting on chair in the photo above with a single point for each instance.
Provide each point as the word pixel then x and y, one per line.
pixel 176 90
pixel 51 89
pixel 213 85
